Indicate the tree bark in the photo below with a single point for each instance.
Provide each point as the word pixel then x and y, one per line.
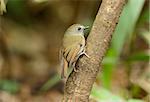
pixel 79 84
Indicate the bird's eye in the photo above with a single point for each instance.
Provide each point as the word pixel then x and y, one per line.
pixel 79 28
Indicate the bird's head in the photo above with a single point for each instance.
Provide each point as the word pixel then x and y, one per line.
pixel 76 29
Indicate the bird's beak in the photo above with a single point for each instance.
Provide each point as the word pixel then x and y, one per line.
pixel 86 27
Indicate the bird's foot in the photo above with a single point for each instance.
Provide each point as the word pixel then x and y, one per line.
pixel 75 69
pixel 84 53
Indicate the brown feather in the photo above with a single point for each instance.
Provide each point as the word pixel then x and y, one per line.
pixel 71 50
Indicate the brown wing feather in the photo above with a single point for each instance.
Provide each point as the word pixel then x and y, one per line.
pixel 64 68
pixel 74 55
pixel 70 51
pixel 64 63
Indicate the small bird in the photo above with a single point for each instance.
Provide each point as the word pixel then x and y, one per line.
pixel 73 46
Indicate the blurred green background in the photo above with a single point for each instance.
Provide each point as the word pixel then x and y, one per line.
pixel 31 33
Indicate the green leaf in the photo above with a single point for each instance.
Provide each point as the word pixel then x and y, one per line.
pixel 103 95
pixel 144 56
pixel 17 9
pixel 50 83
pixel 144 16
pixel 9 86
pixel 126 24
pixel 106 76
pixel 135 100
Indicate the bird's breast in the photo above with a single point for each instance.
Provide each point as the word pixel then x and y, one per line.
pixel 73 39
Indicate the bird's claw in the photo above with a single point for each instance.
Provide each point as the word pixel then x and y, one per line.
pixel 86 55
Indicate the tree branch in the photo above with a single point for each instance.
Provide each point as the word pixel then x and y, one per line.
pixel 79 84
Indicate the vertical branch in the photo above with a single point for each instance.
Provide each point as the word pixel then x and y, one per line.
pixel 79 84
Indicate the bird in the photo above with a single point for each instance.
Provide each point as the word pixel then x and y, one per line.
pixel 73 46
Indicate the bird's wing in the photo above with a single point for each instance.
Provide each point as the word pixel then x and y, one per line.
pixel 68 56
pixel 64 68
pixel 64 64
pixel 70 51
pixel 74 55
